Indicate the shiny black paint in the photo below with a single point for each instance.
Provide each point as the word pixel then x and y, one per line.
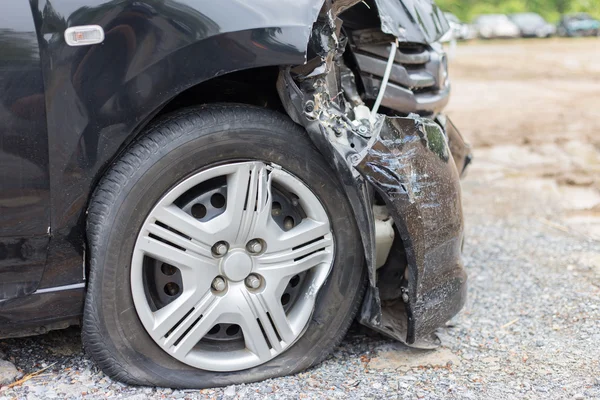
pixel 412 168
pixel 95 99
pixel 99 96
pixel 71 110
pixel 29 315
pixel 24 182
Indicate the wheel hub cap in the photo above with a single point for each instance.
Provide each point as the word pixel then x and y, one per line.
pixel 236 265
pixel 215 261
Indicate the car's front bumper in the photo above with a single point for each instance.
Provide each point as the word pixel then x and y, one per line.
pixel 415 166
pixel 408 161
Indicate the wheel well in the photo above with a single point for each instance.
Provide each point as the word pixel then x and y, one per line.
pixel 256 86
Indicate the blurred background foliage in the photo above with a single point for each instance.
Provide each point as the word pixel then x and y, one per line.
pixel 466 10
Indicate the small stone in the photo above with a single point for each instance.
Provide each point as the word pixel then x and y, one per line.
pixel 51 394
pixel 39 390
pixel 399 357
pixel 312 382
pixel 8 372
pixel 229 391
pixel 490 360
pixel 139 396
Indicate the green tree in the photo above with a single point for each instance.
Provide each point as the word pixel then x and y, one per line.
pixel 466 10
pixel 562 6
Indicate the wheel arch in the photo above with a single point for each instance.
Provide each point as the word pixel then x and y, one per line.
pixel 232 87
pixel 100 97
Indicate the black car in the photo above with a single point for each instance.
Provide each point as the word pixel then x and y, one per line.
pixel 216 190
pixel 580 24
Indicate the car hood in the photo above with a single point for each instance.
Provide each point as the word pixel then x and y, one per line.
pixel 419 21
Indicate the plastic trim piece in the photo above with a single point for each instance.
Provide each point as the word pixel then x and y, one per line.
pixel 60 288
pixel 84 35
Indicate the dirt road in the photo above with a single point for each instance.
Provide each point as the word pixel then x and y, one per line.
pixel 531 109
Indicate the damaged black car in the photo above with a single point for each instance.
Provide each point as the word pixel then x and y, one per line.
pixel 215 191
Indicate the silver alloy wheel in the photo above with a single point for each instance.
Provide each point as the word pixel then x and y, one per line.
pixel 234 267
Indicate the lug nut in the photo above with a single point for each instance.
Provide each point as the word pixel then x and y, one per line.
pixel 288 223
pixel 218 284
pixel 253 281
pixel 220 248
pixel 254 246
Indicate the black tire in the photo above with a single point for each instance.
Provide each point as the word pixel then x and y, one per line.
pixel 168 152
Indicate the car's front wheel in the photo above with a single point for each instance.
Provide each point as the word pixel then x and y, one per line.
pixel 222 250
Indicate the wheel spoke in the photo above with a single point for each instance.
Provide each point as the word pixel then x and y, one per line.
pixel 254 338
pixel 276 314
pixel 297 250
pixel 280 271
pixel 172 255
pixel 168 317
pixel 307 231
pixel 195 326
pixel 189 245
pixel 175 218
pixel 248 202
pixel 296 253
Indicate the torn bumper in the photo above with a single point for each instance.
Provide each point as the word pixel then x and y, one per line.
pixel 411 163
pixel 411 166
pixel 461 151
pixel 408 161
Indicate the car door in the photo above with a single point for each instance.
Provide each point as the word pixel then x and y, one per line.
pixel 24 180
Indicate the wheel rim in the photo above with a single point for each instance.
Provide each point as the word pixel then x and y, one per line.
pixel 244 245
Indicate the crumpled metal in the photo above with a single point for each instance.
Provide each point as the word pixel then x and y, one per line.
pixel 410 165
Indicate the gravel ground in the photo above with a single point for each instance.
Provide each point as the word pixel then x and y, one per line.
pixel 530 328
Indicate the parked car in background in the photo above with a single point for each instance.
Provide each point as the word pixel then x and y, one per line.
pixel 491 26
pixel 459 29
pixel 580 24
pixel 532 25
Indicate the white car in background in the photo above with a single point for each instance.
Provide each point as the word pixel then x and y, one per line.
pixel 491 26
pixel 459 29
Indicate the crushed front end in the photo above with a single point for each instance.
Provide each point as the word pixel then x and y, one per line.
pixel 370 97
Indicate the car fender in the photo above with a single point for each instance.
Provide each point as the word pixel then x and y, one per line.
pixel 99 96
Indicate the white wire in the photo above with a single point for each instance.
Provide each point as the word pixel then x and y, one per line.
pixel 386 77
